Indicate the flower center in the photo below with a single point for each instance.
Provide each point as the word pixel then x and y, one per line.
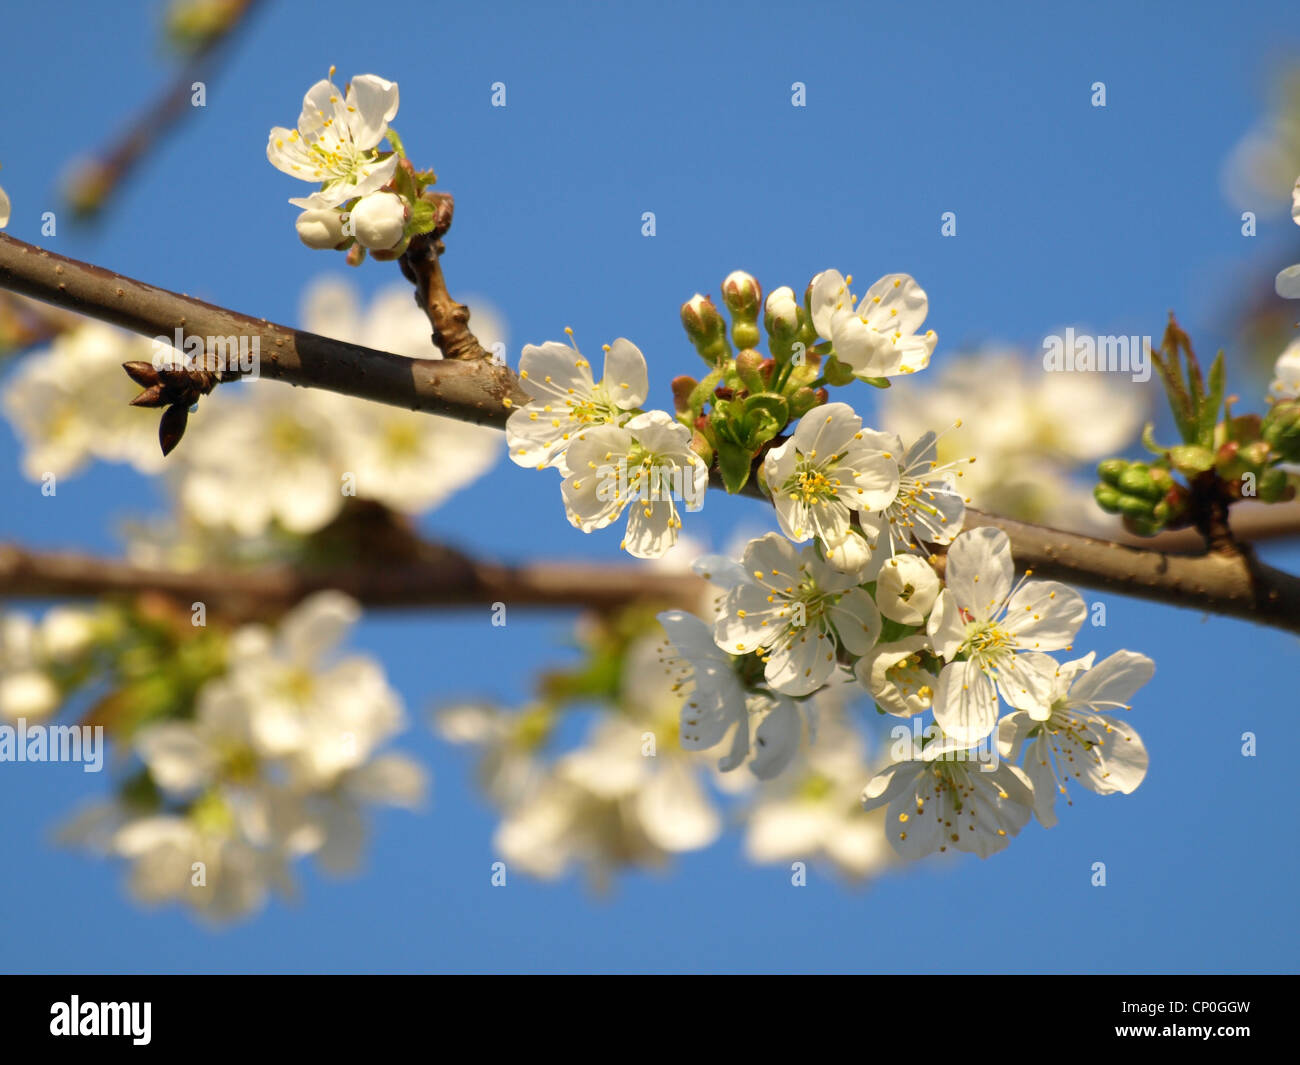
pixel 809 485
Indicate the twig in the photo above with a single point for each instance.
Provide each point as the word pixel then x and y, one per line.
pixel 97 178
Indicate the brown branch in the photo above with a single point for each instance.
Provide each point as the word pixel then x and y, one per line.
pixel 263 592
pixel 472 390
pixel 1234 585
pixel 478 390
pixel 422 265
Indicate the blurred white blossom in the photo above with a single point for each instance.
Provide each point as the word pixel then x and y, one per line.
pixel 314 448
pixel 1028 429
pixel 279 761
pixel 70 403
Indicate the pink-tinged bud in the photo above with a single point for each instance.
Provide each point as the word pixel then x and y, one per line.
pixel 743 295
pixel 379 220
pixel 805 399
pixel 822 395
pixel 702 422
pixel 749 367
pixel 705 328
pixel 702 447
pixel 322 230
pixel 682 388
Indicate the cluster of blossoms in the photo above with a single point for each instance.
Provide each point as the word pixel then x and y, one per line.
pixel 610 452
pixel 613 455
pixel 275 761
pixel 638 791
pixel 369 199
pixel 790 622
pixel 861 599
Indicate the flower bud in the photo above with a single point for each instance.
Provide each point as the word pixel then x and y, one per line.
pixel 1274 487
pixel 804 400
pixel 379 220
pixel 322 230
pixel 682 388
pixel 1109 470
pixel 781 317
pixel 1136 507
pixel 749 367
pixel 702 447
pixel 705 328
pixel 1107 498
pixel 1137 481
pixel 1281 429
pixel 743 296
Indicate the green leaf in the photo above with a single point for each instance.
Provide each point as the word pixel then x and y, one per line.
pixel 1179 400
pixel 1208 415
pixel 876 382
pixel 734 464
pixel 773 405
pixel 423 215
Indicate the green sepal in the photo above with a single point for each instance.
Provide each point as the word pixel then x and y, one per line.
pixel 1191 458
pixel 734 463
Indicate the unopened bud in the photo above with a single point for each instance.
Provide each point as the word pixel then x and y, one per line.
pixel 1107 498
pixel 705 328
pixel 320 229
pixel 1137 507
pixel 1281 429
pixel 379 220
pixel 702 447
pixel 781 314
pixel 1274 487
pixel 742 294
pixel 1109 470
pixel 682 387
pixel 805 399
pixel 1137 481
pixel 749 367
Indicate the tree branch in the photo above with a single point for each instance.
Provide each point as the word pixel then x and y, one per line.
pixel 480 391
pixel 96 179
pixel 1234 585
pixel 264 592
pixel 471 390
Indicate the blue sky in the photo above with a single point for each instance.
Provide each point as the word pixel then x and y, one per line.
pixel 1066 214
